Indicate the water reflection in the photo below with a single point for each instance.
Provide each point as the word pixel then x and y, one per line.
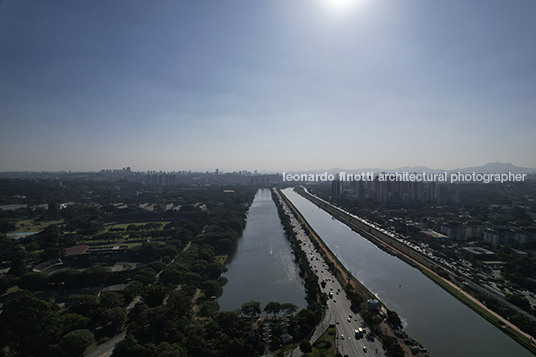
pixel 263 267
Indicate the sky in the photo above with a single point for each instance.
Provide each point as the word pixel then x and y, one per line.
pixel 271 85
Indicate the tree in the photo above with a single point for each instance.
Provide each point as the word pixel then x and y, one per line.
pixel 251 308
pixel 165 349
pixel 272 308
pixel 173 225
pixel 9 250
pixel 127 347
pixel 145 276
pixel 71 322
pixel 134 288
pixel 112 319
pixel 75 342
pixel 289 308
pixel 81 304
pixel 518 300
pixel 208 308
pixel 7 226
pixel 394 319
pixel 154 295
pixel 31 246
pixel 18 268
pixel 192 279
pixel 196 344
pixel 50 234
pixel 132 228
pixel 67 276
pixel 151 226
pixel 392 346
pixel 179 303
pixel 110 299
pixel 306 320
pixel 305 346
pixel 28 324
pixel 53 210
pixel 225 246
pixel 170 276
pixel 95 275
pixel 211 287
pixel 214 270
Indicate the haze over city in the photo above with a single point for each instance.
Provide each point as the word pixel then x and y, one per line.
pixel 268 85
pixel 267 178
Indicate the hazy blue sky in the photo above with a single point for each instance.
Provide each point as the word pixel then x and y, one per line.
pixel 266 84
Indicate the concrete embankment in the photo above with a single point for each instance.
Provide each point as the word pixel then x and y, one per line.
pixel 455 283
pixel 381 239
pixel 345 278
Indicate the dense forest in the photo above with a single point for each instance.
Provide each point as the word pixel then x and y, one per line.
pixel 63 312
pixel 57 304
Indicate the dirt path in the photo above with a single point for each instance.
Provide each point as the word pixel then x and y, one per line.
pixel 107 349
pixel 196 295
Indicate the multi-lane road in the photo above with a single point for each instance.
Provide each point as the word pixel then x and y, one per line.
pixel 340 314
pixel 338 311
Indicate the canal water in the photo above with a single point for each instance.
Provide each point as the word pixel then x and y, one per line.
pixel 263 267
pixel 433 317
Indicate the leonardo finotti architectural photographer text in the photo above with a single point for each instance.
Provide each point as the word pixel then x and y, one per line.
pixel 408 177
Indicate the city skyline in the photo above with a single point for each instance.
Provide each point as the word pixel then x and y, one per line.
pixel 269 86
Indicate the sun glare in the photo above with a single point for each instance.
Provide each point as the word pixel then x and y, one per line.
pixel 342 4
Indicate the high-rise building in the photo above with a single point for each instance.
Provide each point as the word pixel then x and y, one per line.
pixel 336 188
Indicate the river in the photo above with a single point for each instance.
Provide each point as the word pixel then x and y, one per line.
pixel 431 316
pixel 263 268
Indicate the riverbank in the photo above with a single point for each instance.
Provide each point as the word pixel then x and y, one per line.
pixel 420 263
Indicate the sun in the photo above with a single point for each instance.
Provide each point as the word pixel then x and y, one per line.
pixel 342 4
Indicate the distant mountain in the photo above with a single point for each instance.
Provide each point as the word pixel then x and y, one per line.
pixel 375 170
pixel 492 167
pixel 497 168
pixel 417 169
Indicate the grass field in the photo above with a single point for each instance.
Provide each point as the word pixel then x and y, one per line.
pixel 12 290
pixel 222 259
pixel 28 225
pixel 325 345
pixel 125 225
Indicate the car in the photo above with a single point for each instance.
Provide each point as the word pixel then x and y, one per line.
pixel 350 316
pixel 349 319
pixel 364 348
pixel 342 336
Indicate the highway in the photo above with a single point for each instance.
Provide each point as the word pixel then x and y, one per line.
pixel 338 311
pixel 340 314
